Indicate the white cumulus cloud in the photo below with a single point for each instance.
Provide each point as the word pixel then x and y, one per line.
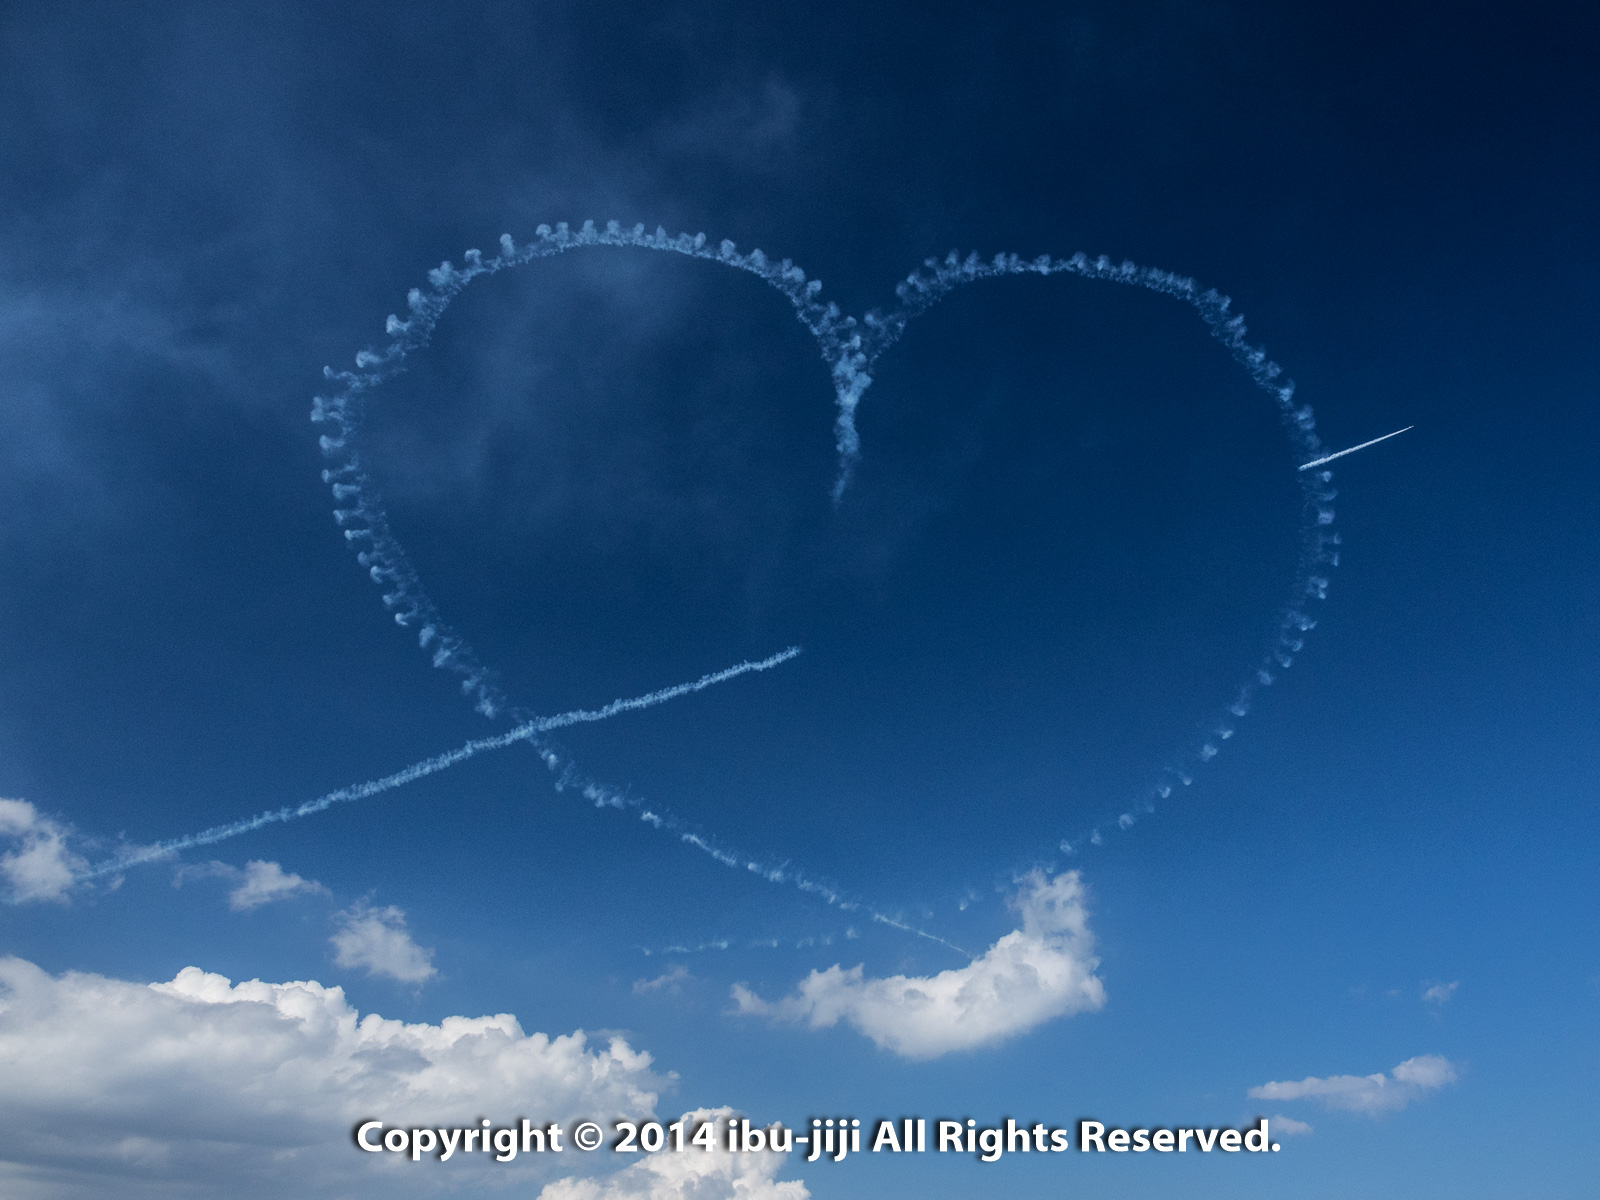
pixel 37 864
pixel 671 980
pixel 202 1087
pixel 1439 993
pixel 377 939
pixel 1289 1127
pixel 1033 974
pixel 1369 1094
pixel 700 1175
pixel 257 884
pixel 265 882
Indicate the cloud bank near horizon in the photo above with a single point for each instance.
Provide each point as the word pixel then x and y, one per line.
pixel 261 1084
pixel 697 1176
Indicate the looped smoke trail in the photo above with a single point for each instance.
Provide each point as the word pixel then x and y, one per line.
pixel 851 348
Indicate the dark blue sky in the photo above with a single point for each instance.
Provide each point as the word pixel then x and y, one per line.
pixel 1072 528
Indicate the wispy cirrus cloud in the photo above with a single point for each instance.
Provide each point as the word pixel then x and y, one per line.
pixel 1368 1094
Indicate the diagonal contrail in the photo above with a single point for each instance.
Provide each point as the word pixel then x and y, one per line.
pixel 528 731
pixel 567 778
pixel 1317 462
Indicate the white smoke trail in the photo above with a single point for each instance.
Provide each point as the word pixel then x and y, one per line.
pixel 851 348
pixel 567 778
pixel 1318 543
pixel 526 732
pixel 783 874
pixel 361 509
pixel 582 716
pixel 751 943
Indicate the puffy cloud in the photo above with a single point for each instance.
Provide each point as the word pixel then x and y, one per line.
pixel 38 866
pixel 265 882
pixel 671 980
pixel 1033 974
pixel 699 1176
pixel 1289 1127
pixel 1440 992
pixel 377 939
pixel 1369 1094
pixel 1426 1071
pixel 203 1087
pixel 259 883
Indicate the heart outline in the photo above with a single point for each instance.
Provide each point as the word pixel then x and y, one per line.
pixel 851 347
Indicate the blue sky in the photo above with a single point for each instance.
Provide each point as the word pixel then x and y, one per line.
pixel 1072 532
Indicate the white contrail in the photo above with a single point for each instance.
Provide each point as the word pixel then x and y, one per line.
pixel 526 732
pixel 580 716
pixel 1317 462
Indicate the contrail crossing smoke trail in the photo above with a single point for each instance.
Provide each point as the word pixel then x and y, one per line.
pixel 526 732
pixel 851 347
